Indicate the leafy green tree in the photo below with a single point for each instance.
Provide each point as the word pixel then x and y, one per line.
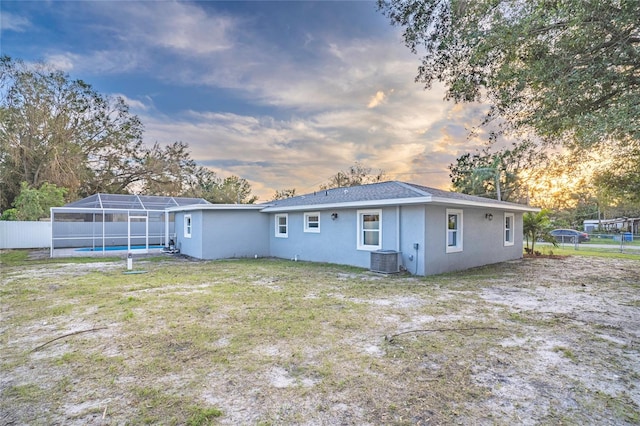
pixel 568 70
pixel 506 172
pixel 536 226
pixel 34 204
pixel 9 214
pixel 354 176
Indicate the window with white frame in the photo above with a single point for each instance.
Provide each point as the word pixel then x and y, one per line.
pixel 369 229
pixel 282 225
pixel 187 226
pixel 454 230
pixel 312 222
pixel 508 228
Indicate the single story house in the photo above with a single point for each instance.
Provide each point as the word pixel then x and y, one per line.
pixel 386 226
pixel 619 224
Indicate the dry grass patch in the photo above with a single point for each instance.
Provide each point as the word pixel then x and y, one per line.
pixel 272 342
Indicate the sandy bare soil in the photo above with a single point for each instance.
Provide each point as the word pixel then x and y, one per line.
pixel 533 341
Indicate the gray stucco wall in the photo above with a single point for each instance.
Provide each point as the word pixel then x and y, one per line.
pixel 190 246
pixel 483 240
pixel 222 234
pixel 412 231
pixel 233 233
pixel 337 240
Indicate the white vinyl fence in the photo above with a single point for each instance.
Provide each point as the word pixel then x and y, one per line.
pixel 17 234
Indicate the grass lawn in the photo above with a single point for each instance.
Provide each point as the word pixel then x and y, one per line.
pixel 586 250
pixel 278 342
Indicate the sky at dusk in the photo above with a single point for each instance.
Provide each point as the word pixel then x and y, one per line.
pixel 283 94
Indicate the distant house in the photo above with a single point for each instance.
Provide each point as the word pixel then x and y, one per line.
pixel 423 230
pixel 619 224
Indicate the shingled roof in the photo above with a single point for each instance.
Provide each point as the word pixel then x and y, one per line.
pixel 384 193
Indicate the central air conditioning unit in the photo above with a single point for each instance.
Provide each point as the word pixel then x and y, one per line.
pixel 385 261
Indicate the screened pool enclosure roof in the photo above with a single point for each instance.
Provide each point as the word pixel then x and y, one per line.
pixel 103 222
pixel 133 202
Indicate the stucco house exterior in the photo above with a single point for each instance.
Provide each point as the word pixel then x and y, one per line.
pixel 431 231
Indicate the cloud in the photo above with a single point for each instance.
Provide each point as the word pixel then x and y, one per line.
pixel 12 22
pixel 142 36
pixel 376 99
pixel 134 104
pixel 306 103
pixel 182 27
pixel 62 62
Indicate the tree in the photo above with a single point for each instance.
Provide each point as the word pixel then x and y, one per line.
pixel 34 204
pixel 355 175
pixel 281 194
pixel 166 171
pixel 620 182
pixel 57 130
pixel 233 190
pixel 202 183
pixel 504 174
pixel 568 70
pixel 535 227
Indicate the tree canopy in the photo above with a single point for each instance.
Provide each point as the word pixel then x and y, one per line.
pixel 59 131
pixel 356 174
pixel 567 70
pixel 204 183
pixel 282 194
pixel 505 174
pixel 34 204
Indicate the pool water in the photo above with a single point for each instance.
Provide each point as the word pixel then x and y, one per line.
pixel 116 248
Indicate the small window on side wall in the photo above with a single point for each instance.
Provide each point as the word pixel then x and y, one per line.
pixel 187 226
pixel 454 231
pixel 312 222
pixel 509 219
pixel 282 225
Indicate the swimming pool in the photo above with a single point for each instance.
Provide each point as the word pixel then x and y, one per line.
pixel 116 248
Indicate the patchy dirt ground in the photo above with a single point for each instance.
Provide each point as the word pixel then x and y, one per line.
pixel 534 341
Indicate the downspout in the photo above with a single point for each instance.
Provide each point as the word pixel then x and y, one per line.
pixel 51 242
pixel 398 242
pixel 166 228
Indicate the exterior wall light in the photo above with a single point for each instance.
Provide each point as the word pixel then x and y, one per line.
pixel 334 216
pixel 488 216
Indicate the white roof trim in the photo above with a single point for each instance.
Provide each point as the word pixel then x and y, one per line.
pixel 502 206
pixel 266 208
pixel 356 204
pixel 405 201
pixel 193 207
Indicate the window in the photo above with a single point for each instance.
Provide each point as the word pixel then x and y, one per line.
pixel 454 230
pixel 369 229
pixel 282 225
pixel 312 222
pixel 187 226
pixel 508 229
